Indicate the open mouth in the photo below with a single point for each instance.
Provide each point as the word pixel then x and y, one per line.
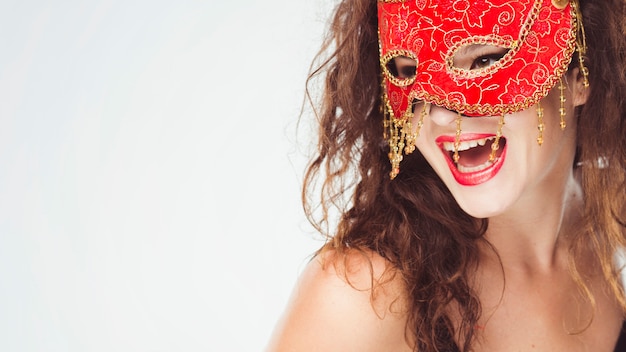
pixel 475 164
pixel 474 155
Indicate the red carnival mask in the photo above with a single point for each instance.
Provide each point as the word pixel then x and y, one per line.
pixel 527 45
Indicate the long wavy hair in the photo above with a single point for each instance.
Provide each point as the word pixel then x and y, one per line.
pixel 413 221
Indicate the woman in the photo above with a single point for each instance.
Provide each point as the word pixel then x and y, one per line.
pixel 484 179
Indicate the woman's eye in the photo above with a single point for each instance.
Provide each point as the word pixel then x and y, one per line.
pixel 406 72
pixel 478 56
pixel 485 61
pixel 402 67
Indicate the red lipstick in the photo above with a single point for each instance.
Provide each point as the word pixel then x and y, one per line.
pixel 471 178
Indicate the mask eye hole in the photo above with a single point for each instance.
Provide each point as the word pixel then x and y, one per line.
pixel 402 67
pixel 478 56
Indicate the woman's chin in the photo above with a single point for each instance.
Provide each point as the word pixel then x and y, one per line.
pixel 483 208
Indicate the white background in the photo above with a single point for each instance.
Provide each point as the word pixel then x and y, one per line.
pixel 150 171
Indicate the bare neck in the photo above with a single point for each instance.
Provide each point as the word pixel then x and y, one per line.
pixel 533 235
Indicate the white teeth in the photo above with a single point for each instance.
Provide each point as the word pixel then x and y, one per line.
pixel 465 145
pixel 465 169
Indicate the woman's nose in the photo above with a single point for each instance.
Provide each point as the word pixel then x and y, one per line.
pixel 442 116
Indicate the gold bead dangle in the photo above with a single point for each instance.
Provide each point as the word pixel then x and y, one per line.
pixel 457 139
pixel 540 125
pixel 581 43
pixel 407 129
pixel 496 144
pixel 420 122
pixel 562 100
pixel 399 134
pixel 392 132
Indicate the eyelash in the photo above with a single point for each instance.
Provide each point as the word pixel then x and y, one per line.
pixel 479 61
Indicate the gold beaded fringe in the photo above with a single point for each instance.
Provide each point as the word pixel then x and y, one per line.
pixel 496 144
pixel 457 139
pixel 540 125
pixel 562 100
pixel 399 134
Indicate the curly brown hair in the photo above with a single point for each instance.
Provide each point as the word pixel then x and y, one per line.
pixel 413 221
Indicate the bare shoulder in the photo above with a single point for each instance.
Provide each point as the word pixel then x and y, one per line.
pixel 353 301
